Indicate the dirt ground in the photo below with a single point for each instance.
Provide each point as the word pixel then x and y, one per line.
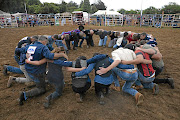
pixel 119 105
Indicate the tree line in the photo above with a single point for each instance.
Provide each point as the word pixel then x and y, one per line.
pixel 35 7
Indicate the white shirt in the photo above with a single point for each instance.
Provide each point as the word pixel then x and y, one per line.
pixel 123 54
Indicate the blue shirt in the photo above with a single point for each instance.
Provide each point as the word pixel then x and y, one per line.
pixel 102 80
pixel 41 52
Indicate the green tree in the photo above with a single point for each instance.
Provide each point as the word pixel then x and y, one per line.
pixel 172 8
pixel 71 6
pixel 93 8
pixel 100 5
pixel 86 6
pixel 150 10
pixel 122 11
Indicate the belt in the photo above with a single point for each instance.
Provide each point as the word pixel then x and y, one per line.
pixel 153 75
pixel 133 71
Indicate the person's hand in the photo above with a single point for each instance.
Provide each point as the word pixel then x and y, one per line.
pixel 28 55
pixel 138 48
pixel 101 71
pixel 27 61
pixel 51 61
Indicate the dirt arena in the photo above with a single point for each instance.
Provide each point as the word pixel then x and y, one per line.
pixel 119 105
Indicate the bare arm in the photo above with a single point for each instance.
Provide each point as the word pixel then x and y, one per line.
pixel 139 59
pixel 157 56
pixel 71 69
pixel 44 60
pixel 149 51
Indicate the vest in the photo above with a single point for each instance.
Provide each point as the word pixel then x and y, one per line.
pixel 103 63
pixel 81 81
pixel 146 69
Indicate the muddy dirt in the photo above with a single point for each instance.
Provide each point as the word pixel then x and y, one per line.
pixel 119 105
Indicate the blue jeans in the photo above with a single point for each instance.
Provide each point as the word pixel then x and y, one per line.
pixel 14 69
pixel 81 42
pixel 103 41
pixel 58 90
pixel 60 43
pixel 145 81
pixel 128 77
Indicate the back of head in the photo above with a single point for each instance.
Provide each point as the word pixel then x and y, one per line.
pixel 130 46
pixel 42 38
pixel 35 37
pixel 144 34
pixel 95 54
pixel 55 36
pixel 80 61
pixel 125 34
pixel 136 36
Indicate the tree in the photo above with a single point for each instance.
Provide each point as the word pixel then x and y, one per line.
pixel 172 8
pixel 86 6
pixel 71 6
pixel 150 10
pixel 93 8
pixel 122 11
pixel 81 4
pixel 100 5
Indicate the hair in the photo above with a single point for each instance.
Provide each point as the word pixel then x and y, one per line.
pixel 136 36
pixel 95 54
pixel 35 37
pixel 125 34
pixel 130 46
pixel 55 36
pixel 81 34
pixel 78 63
pixel 42 38
pixel 144 34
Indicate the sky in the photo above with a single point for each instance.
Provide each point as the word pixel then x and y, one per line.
pixel 125 4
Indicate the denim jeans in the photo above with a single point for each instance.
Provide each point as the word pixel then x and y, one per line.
pixel 39 80
pixel 60 43
pixel 58 90
pixel 80 44
pixel 128 77
pixel 145 81
pixel 14 69
pixel 103 41
pixel 112 43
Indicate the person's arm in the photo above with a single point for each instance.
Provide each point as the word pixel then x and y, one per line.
pixel 157 56
pixel 71 69
pixel 148 51
pixel 105 70
pixel 121 66
pixel 63 63
pixel 139 59
pixel 96 58
pixel 85 71
pixel 47 54
pixel 44 60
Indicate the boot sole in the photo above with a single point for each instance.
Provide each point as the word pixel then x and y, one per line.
pixel 140 100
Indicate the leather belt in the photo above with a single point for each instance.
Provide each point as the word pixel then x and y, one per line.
pixel 130 72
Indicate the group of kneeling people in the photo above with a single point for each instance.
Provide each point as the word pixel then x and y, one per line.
pixel 134 63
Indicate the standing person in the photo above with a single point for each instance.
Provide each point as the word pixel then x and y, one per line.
pixel 103 37
pixel 113 40
pixel 129 75
pixel 89 37
pixel 36 52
